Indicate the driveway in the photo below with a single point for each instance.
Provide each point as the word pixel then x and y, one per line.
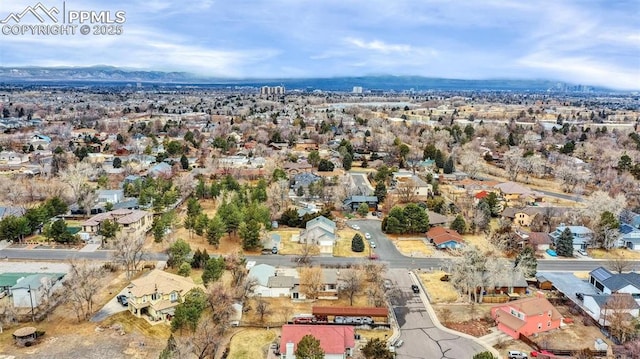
pixel 112 307
pixel 422 339
pixel 362 183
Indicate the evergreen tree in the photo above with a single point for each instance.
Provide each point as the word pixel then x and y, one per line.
pixel 357 243
pixel 347 160
pixel 564 245
pixel 380 191
pixel 439 159
pixel 213 270
pixel 363 209
pixel 376 349
pixel 526 260
pixel 250 234
pixel 309 348
pixel 184 162
pixel 117 162
pixel 187 313
pixel 449 166
pixel 215 230
pixel 178 253
pixel 416 219
pixel 458 224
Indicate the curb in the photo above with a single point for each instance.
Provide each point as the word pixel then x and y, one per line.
pixel 436 322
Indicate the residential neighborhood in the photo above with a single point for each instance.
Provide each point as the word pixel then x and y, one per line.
pixel 242 223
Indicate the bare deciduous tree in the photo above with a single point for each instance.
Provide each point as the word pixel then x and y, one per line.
pixel 7 314
pixel 311 281
pixel 128 251
pixel 620 265
pixel 204 342
pixel 406 191
pixel 262 308
pixel 308 249
pixel 351 283
pixel 616 314
pixel 220 303
pixel 82 285
pixel 375 272
pixel 75 177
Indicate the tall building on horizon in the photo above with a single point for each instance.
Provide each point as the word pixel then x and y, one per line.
pixel 272 90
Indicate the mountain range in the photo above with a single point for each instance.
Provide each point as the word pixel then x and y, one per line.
pixel 109 74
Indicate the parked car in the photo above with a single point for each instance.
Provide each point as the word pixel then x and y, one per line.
pixel 398 343
pixel 515 354
pixel 583 252
pixel 274 250
pixel 373 244
pixel 374 256
pixel 534 354
pixel 122 299
pixel 339 320
pixel 415 288
pixel 367 235
pixel 355 226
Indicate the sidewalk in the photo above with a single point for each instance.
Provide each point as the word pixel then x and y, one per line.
pixel 436 321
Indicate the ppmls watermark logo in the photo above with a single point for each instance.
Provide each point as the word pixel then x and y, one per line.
pixel 53 21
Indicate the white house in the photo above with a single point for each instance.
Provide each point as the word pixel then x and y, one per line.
pixel 608 283
pixel 320 231
pixel 604 306
pixel 110 195
pixel 269 283
pixel 30 291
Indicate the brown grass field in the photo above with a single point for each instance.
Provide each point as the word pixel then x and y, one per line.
pixel 439 291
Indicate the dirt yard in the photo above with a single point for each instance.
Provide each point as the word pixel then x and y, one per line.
pixel 473 320
pixel 414 247
pixel 482 242
pixel 439 291
pixel 65 337
pixel 573 336
pixel 616 253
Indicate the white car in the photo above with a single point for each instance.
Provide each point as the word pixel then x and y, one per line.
pixel 373 244
pixel 355 226
pixel 515 354
pixel 367 236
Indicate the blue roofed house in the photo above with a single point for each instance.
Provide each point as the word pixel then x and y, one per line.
pixel 607 282
pixel 320 231
pixel 161 169
pixel 631 218
pixel 582 236
pixel 353 202
pixel 629 237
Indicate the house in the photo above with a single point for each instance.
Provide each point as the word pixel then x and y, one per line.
pixel 607 283
pixel 269 283
pixel 131 220
pixel 320 231
pixel 157 294
pixel 407 179
pixel 515 193
pixel 297 167
pixel 527 317
pixel 582 236
pixel 630 237
pixel 437 219
pixel 160 169
pixel 11 211
pixel 41 141
pixel 13 158
pixel 523 216
pixel 601 306
pixel 304 180
pixel 631 218
pixel 337 341
pixel 34 289
pixel 110 196
pixel 513 284
pixel 353 202
pixel 444 238
pixel 539 241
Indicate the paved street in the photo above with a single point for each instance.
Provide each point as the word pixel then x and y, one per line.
pixel 385 249
pixel 422 339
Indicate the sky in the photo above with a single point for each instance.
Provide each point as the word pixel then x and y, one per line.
pixel 593 42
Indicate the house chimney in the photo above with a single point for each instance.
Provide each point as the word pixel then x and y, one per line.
pixel 289 350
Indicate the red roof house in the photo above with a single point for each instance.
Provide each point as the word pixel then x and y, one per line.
pixel 337 341
pixel 444 238
pixel 526 317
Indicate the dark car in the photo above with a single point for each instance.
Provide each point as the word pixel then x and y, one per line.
pixel 580 296
pixel 274 250
pixel 122 299
pixel 415 288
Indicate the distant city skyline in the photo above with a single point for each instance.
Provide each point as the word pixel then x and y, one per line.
pixel 581 42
